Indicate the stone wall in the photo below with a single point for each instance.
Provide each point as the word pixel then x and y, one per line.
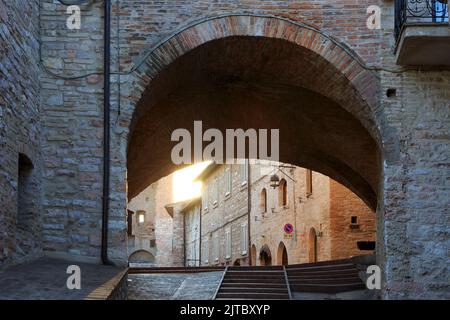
pixel 20 130
pixel 415 225
pixel 153 201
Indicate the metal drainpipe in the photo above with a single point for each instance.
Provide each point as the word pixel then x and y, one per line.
pixel 106 130
pixel 249 195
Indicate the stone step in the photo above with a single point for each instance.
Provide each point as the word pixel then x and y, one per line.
pixel 328 273
pixel 252 295
pixel 254 280
pixel 251 289
pixel 327 288
pixel 324 281
pixel 254 285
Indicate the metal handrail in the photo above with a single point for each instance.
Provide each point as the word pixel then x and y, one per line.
pixel 220 283
pixel 287 282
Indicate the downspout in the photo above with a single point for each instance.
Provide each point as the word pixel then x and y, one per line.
pixel 200 236
pixel 184 240
pixel 249 250
pixel 106 130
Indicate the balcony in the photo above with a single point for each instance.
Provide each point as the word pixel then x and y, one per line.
pixel 422 31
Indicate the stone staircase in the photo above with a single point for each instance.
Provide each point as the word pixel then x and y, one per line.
pixel 325 277
pixel 254 283
pixel 277 282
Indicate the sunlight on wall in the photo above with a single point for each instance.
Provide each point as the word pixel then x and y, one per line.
pixel 184 187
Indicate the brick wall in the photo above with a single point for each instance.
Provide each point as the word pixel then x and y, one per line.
pixel 20 129
pixel 344 236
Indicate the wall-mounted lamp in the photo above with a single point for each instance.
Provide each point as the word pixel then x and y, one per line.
pixel 274 181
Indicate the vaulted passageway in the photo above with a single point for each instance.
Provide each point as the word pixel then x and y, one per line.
pixel 261 83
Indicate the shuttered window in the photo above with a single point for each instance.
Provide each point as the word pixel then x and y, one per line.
pixel 216 247
pixel 206 251
pixel 228 244
pixel 244 172
pixel 228 181
pixel 244 239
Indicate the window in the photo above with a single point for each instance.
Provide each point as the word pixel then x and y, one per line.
pixel 282 193
pixel 354 220
pixel 308 181
pixel 228 244
pixel 263 201
pixel 130 223
pixel 216 247
pixel 244 172
pixel 228 181
pixel 205 198
pixel 244 238
pixel 206 251
pixel 141 217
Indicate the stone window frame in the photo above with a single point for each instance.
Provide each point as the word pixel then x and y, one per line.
pixel 228 182
pixel 244 174
pixel 283 193
pixel 216 248
pixel 216 192
pixel 244 239
pixel 228 244
pixel 263 200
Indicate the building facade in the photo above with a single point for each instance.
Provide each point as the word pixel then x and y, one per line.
pixel 224 215
pixel 307 217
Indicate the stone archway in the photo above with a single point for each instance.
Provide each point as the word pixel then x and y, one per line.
pixel 265 256
pixel 282 255
pixel 264 66
pixel 194 56
pixel 141 257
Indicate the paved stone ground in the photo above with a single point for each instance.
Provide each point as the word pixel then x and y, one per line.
pixel 192 286
pixel 45 279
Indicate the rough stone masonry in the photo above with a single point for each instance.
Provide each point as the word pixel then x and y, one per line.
pixel 51 127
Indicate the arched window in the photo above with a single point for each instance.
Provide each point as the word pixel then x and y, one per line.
pixel 263 200
pixel 282 193
pixel 312 245
pixel 309 182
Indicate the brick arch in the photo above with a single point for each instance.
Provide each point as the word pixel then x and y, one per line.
pixel 343 81
pixel 337 54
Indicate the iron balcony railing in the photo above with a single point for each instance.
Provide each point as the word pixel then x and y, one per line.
pixel 419 12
